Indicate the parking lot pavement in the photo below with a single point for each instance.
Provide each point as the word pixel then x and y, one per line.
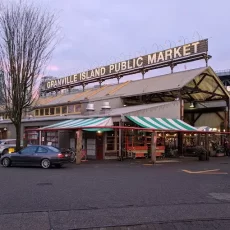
pixel 130 193
pixel 222 224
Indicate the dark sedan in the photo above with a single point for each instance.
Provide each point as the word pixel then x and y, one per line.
pixel 45 156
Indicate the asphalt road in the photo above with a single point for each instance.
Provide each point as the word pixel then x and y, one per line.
pixel 115 194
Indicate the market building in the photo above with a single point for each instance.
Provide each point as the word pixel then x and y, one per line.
pixel 187 101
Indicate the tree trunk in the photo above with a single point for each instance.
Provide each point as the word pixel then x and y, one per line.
pixel 18 136
pixel 78 146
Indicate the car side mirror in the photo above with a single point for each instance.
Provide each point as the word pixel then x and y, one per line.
pixel 19 152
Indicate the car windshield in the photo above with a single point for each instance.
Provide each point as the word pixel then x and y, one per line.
pixel 56 150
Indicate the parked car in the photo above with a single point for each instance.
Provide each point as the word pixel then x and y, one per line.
pixel 36 155
pixel 7 145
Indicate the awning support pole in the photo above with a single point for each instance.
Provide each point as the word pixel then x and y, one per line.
pixel 153 147
pixel 40 137
pixel 78 146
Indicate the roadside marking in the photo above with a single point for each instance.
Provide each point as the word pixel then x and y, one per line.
pixel 211 171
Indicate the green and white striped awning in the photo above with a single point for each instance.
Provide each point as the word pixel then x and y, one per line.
pixel 161 123
pixel 81 123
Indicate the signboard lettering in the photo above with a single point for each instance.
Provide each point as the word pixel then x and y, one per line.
pixel 132 64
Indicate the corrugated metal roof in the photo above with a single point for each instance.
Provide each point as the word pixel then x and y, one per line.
pixel 161 83
pixel 174 81
pixel 129 109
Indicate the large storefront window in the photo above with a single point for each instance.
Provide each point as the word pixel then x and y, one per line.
pixel 110 141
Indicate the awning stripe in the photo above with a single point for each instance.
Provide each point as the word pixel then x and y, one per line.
pixel 140 122
pixel 174 124
pixel 165 122
pixel 88 122
pixel 161 123
pixel 155 123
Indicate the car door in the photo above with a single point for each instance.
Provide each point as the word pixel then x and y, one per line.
pixel 40 154
pixel 25 156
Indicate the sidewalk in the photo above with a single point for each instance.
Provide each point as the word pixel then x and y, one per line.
pixel 159 161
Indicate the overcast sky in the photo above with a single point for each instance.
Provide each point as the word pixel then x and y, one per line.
pixel 100 32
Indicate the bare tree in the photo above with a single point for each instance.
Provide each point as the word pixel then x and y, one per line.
pixel 27 36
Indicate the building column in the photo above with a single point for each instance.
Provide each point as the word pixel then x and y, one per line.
pixel 153 147
pixel 78 146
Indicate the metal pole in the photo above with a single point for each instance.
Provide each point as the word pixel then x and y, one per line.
pixel 153 147
pixel 40 137
pixel 120 140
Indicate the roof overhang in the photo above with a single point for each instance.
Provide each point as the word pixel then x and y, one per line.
pixel 205 86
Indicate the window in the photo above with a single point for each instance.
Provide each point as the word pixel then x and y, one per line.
pixel 47 111
pixel 53 149
pixel 41 150
pixel 57 110
pixel 37 112
pixel 41 112
pixel 110 140
pixel 29 150
pixel 64 109
pixel 70 108
pixel 78 108
pixel 51 111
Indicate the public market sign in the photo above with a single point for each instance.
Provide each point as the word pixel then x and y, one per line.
pixel 128 66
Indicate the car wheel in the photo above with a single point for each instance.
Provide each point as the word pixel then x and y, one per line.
pixel 6 162
pixel 58 165
pixel 45 163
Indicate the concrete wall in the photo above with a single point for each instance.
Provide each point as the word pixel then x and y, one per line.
pixel 30 123
pixel 170 110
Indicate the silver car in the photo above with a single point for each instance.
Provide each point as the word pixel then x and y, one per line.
pixel 7 146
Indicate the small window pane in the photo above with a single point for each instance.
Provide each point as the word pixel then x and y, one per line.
pixel 78 108
pixel 37 112
pixel 64 109
pixel 51 111
pixel 47 111
pixel 41 112
pixel 57 110
pixel 70 108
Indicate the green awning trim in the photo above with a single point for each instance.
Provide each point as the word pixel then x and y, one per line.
pixel 84 122
pixel 161 123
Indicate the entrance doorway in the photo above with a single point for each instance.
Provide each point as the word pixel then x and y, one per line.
pixel 99 146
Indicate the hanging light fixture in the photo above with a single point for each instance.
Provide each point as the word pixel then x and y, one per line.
pixel 192 105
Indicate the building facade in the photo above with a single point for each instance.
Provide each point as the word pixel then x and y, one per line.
pixel 197 97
